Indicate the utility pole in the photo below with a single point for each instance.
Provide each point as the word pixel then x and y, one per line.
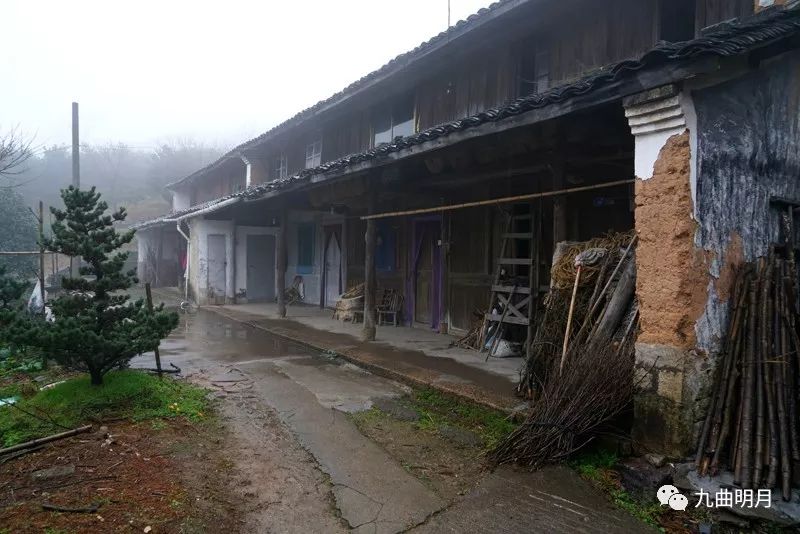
pixel 41 257
pixel 76 148
pixel 448 13
pixel 74 265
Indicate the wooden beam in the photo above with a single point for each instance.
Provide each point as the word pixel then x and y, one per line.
pixel 494 201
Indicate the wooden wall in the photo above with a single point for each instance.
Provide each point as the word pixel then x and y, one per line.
pixel 624 29
pixel 470 264
pixel 711 12
pixel 479 82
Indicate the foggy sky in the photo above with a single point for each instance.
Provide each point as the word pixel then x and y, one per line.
pixel 218 72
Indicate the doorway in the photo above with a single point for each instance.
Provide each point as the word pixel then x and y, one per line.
pixel 260 267
pixel 217 267
pixel 332 267
pixel 426 272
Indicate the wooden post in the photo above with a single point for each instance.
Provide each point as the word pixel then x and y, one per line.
pixel 41 256
pixel 281 264
pixel 75 263
pixel 559 203
pixel 370 282
pixel 150 309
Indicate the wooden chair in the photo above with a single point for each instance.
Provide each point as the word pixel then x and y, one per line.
pixel 390 305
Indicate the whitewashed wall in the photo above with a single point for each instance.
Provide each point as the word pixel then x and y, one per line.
pixel 200 229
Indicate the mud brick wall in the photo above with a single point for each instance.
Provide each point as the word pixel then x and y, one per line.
pixel 671 287
pixel 742 143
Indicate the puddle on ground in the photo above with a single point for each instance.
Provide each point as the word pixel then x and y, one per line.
pixel 207 333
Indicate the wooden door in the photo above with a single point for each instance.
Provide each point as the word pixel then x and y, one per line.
pixel 260 267
pixel 333 269
pixel 427 272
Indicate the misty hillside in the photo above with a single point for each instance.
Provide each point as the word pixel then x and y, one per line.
pixel 128 177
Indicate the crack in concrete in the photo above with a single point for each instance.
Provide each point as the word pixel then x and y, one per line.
pixel 377 514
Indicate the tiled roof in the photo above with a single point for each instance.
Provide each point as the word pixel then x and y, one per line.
pixel 175 215
pixel 398 63
pixel 723 40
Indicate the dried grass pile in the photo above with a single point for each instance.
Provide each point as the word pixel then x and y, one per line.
pixel 588 311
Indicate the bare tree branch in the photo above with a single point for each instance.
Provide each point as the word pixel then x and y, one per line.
pixel 15 150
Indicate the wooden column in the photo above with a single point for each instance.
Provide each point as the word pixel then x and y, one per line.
pixel 559 202
pixel 280 276
pixel 370 281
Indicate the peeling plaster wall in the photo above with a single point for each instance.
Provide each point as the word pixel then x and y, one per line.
pixel 748 147
pixel 147 250
pixel 671 285
pixel 670 282
pixel 199 230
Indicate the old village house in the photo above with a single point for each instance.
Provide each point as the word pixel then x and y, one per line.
pixel 674 118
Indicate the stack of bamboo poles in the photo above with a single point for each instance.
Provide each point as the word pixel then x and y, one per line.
pixel 752 421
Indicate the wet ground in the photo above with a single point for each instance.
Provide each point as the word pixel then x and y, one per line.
pixel 302 464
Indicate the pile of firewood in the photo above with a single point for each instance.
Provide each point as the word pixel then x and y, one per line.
pixel 471 339
pixel 579 372
pixel 585 316
pixel 752 422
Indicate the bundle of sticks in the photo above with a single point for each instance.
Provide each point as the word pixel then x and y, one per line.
pixel 579 377
pixel 752 426
pixel 471 339
pixel 586 316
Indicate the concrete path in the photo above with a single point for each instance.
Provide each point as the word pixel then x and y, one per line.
pixel 358 468
pixel 310 395
pixel 553 500
pixel 418 339
pixel 468 376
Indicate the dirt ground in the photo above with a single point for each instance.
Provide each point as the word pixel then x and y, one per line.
pixel 451 469
pixel 241 472
pixel 167 475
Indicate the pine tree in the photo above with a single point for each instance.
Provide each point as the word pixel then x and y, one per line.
pixel 11 289
pixel 14 323
pixel 96 326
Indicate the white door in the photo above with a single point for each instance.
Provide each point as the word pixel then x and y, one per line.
pixel 333 271
pixel 217 263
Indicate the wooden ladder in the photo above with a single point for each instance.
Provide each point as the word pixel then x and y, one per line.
pixel 515 289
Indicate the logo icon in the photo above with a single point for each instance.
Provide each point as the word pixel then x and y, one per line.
pixel 665 492
pixel 669 495
pixel 678 502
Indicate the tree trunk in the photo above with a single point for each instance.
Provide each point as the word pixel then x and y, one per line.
pixel 97 377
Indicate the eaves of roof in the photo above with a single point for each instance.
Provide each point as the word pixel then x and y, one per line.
pixel 724 40
pixel 173 217
pixel 399 63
